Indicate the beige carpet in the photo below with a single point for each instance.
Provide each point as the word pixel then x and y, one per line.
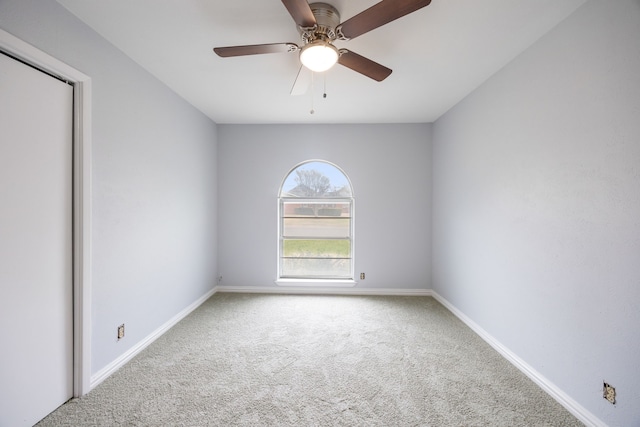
pixel 260 360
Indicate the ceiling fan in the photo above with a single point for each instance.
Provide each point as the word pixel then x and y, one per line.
pixel 319 26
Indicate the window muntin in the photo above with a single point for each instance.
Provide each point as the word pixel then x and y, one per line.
pixel 316 223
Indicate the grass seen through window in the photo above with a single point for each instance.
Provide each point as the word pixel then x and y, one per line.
pixel 317 248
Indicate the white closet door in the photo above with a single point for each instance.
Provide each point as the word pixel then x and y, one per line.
pixel 36 302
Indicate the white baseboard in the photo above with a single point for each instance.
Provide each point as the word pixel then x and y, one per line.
pixel 580 412
pixel 303 290
pixel 105 372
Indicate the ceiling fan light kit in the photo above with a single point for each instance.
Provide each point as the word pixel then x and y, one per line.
pixel 319 26
pixel 319 56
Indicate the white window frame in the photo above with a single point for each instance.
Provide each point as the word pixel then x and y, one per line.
pixel 315 281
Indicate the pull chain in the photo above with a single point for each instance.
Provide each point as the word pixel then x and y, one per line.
pixel 312 78
pixel 324 94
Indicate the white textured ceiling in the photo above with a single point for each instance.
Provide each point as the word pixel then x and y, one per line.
pixel 438 55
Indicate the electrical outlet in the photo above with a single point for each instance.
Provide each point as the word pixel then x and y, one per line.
pixel 361 276
pixel 121 331
pixel 609 392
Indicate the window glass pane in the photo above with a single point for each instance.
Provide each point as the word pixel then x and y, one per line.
pixel 316 248
pixel 309 208
pixel 316 179
pixel 316 227
pixel 316 268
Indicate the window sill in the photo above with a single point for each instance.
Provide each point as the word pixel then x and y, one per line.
pixel 340 283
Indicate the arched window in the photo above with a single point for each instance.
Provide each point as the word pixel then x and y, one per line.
pixel 315 224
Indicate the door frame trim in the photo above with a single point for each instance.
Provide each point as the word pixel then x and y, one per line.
pixel 81 198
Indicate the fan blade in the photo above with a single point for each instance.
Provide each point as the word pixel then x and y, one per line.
pixel 363 65
pixel 301 12
pixel 255 49
pixel 378 15
pixel 303 81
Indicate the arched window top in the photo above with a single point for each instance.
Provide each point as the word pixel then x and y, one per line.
pixel 316 179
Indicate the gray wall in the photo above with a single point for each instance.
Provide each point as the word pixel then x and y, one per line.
pixel 535 198
pixel 154 183
pixel 389 168
pixel 536 207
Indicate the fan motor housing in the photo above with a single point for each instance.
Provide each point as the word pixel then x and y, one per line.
pixel 327 19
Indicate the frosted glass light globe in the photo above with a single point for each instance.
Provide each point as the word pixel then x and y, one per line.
pixel 319 56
